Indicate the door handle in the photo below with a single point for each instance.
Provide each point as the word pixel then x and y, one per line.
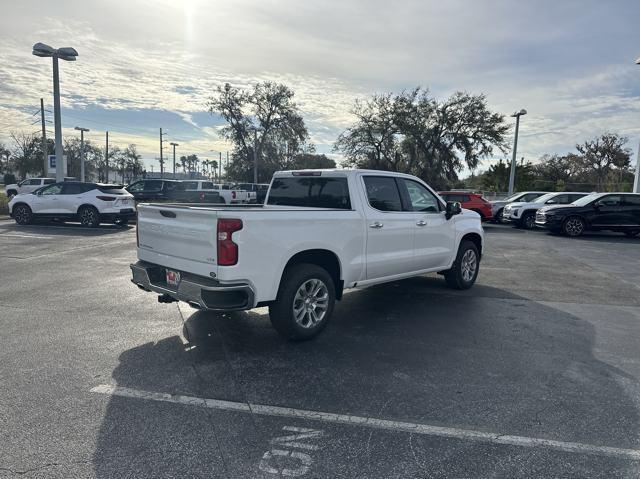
pixel 421 223
pixel 376 225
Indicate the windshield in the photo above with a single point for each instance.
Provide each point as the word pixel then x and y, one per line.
pixel 544 198
pixel 585 200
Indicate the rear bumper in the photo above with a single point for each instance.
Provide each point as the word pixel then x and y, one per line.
pixel 198 291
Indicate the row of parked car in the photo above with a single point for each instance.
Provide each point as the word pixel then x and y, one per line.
pixel 570 213
pixel 93 203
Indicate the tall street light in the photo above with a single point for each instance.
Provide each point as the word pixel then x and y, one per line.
pixel 81 130
pixel 68 54
pixel 636 181
pixel 174 158
pixel 512 175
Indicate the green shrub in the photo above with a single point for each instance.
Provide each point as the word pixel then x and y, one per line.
pixel 4 204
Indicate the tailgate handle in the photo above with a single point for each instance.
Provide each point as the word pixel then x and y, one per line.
pixel 167 214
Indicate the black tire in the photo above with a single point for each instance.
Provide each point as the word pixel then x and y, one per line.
pixel 11 193
pixel 528 220
pixel 22 214
pixel 89 216
pixel 632 233
pixel 458 276
pixel 498 217
pixel 573 226
pixel 297 287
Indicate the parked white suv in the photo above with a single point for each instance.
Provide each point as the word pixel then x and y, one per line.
pixel 318 233
pixel 523 214
pixel 89 203
pixel 27 186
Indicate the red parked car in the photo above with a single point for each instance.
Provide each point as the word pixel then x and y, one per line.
pixel 470 201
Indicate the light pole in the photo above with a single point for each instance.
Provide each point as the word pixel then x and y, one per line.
pixel 636 181
pixel 81 130
pixel 512 175
pixel 255 154
pixel 68 54
pixel 174 158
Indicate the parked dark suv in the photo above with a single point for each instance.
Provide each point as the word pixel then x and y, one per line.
pixel 597 211
pixel 160 190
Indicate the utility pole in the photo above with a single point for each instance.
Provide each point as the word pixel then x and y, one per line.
pixel 255 155
pixel 636 181
pixel 106 158
pixel 512 175
pixel 161 157
pixel 226 171
pixel 174 157
pixel 220 167
pixel 44 138
pixel 81 130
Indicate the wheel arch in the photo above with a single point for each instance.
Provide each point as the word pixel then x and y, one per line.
pixel 21 203
pixel 324 258
pixel 475 238
pixel 84 205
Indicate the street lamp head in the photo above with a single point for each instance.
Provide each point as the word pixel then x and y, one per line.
pixel 519 113
pixel 43 50
pixel 66 53
pixel 174 144
pixel 79 128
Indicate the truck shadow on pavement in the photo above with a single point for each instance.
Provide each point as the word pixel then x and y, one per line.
pixel 65 229
pixel 484 359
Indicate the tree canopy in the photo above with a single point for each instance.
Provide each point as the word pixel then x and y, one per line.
pixel 412 132
pixel 265 119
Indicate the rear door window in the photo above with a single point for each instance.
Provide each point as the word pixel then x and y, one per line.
pixel 632 200
pixel 382 193
pixel 152 185
pixel 207 185
pixel 72 189
pixel 191 185
pixel 312 192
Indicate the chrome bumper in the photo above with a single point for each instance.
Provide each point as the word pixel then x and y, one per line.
pixel 198 291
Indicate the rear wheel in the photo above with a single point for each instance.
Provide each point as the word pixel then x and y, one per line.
pixel 22 214
pixel 499 217
pixel 573 226
pixel 464 271
pixel 305 302
pixel 89 216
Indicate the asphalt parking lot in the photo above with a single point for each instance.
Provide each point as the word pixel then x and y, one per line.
pixel 535 372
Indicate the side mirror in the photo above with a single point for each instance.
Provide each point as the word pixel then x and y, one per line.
pixel 453 208
pixel 597 205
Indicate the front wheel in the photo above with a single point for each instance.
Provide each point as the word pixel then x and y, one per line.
pixel 573 226
pixel 305 302
pixel 464 271
pixel 89 216
pixel 529 220
pixel 22 214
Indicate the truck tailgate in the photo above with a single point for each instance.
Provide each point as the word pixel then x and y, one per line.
pixel 179 237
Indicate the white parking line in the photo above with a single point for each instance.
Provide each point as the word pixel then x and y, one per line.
pixel 398 426
pixel 11 235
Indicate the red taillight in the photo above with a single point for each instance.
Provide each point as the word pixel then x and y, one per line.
pixel 106 198
pixel 227 249
pixel 233 195
pixel 202 196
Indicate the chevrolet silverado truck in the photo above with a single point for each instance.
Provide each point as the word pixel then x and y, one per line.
pixel 318 233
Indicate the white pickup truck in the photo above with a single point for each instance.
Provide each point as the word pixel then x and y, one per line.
pixel 319 233
pixel 228 194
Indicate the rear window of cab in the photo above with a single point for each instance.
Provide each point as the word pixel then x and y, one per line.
pixel 310 192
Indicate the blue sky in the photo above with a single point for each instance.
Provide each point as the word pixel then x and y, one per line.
pixel 150 64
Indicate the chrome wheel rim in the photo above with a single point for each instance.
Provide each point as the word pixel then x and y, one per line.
pixel 22 215
pixel 87 217
pixel 469 265
pixel 310 303
pixel 574 227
